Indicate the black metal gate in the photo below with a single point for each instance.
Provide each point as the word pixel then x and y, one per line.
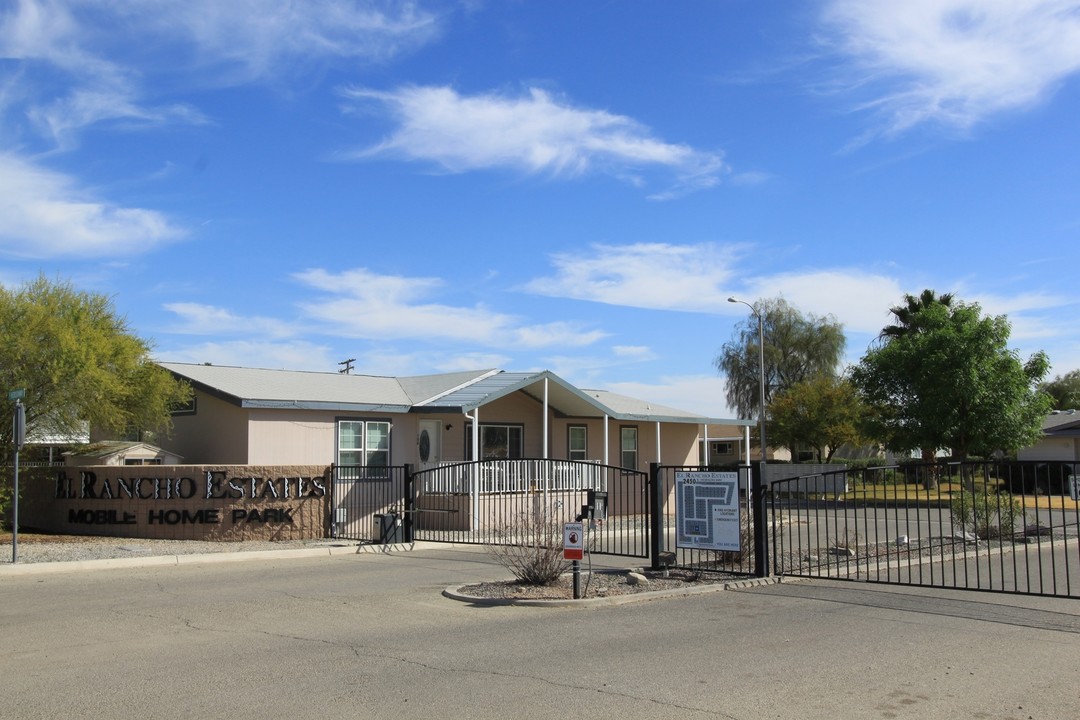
pixel 1007 527
pixel 369 503
pixel 510 501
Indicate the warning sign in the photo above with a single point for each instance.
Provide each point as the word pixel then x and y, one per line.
pixel 573 534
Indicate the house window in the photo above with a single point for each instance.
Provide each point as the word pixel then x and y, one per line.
pixel 142 461
pixel 497 442
pixel 723 448
pixel 184 408
pixel 577 442
pixel 363 443
pixel 628 448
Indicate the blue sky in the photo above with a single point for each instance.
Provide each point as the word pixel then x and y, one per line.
pixel 572 186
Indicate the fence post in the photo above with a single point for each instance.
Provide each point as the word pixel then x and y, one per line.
pixel 758 489
pixel 409 503
pixel 656 515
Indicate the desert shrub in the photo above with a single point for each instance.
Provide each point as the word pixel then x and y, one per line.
pixel 986 515
pixel 531 547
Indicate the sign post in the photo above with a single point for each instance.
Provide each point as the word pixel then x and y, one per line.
pixel 18 437
pixel 574 550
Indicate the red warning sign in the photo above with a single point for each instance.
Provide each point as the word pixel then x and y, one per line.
pixel 573 541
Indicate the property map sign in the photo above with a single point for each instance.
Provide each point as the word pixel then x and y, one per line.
pixel 707 510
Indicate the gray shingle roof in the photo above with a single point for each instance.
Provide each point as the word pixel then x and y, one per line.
pixel 448 392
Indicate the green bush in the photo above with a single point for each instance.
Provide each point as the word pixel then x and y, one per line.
pixel 986 515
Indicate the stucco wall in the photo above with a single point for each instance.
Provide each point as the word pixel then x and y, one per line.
pixel 216 433
pixel 1052 449
pixel 212 502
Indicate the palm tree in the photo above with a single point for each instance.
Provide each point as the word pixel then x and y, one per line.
pixel 907 322
pixel 907 315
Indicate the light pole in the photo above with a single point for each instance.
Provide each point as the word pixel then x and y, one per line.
pixel 757 474
pixel 761 369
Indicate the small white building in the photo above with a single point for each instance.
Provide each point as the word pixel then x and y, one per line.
pixel 120 452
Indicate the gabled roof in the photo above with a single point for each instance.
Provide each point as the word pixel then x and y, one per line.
pixel 459 392
pixel 108 448
pixel 1062 423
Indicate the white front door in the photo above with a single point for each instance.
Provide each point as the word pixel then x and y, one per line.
pixel 429 443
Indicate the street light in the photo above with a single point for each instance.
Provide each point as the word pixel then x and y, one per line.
pixel 761 369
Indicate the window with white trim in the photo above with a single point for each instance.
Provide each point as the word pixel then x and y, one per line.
pixel 577 442
pixel 363 443
pixel 628 447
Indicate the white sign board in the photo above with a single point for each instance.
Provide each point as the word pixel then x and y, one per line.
pixel 573 541
pixel 707 510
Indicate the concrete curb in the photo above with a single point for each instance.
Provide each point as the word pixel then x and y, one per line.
pixel 45 568
pixel 456 593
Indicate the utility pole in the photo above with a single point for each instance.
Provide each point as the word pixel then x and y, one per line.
pixel 346 366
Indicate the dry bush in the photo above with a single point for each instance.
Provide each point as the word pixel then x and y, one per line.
pixel 531 547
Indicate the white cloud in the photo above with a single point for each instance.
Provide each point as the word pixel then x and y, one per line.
pixel 535 134
pixel 44 215
pixel 858 299
pixel 293 355
pixel 362 304
pixel 702 394
pixel 955 61
pixel 198 319
pixel 645 275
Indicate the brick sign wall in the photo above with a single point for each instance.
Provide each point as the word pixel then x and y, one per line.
pixel 185 502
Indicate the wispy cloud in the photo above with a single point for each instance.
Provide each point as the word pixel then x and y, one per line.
pixel 70 65
pixel 364 305
pixel 288 355
pixel 954 62
pixel 659 276
pixel 44 214
pixel 199 319
pixel 533 133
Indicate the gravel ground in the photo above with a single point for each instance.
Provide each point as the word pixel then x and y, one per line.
pixel 599 585
pixel 40 548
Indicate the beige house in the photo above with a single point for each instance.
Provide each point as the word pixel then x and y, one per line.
pixel 1060 441
pixel 247 416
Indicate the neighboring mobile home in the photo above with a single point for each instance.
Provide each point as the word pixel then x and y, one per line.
pixel 247 416
pixel 1060 440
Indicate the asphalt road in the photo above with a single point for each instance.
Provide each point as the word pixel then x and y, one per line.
pixel 370 636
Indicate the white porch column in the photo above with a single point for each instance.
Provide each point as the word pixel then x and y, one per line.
pixel 607 442
pixel 545 418
pixel 658 459
pixel 746 444
pixel 474 472
pixel 705 454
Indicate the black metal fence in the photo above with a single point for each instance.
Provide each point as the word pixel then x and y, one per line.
pixel 994 526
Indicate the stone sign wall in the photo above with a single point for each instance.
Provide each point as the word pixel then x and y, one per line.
pixel 181 502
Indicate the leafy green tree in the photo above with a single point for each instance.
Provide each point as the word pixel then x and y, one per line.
pixel 907 316
pixel 797 347
pixel 79 364
pixel 953 383
pixel 822 413
pixel 1064 390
